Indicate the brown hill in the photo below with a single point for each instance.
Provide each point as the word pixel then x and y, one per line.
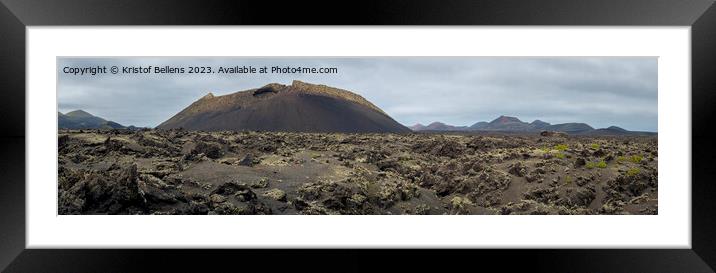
pixel 299 107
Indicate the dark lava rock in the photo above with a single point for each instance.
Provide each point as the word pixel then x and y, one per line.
pixel 211 150
pixel 517 169
pixel 112 145
pixel 262 183
pixel 242 192
pixel 193 208
pixel 276 194
pixel 113 193
pixel 440 147
pixel 552 134
pixel 609 158
pixel 627 186
pixel 248 160
pixel 62 141
pixel 580 162
pixel 542 195
pixel 580 197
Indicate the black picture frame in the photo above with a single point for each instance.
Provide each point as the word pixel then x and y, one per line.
pixel 16 15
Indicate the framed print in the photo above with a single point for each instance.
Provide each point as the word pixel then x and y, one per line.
pixel 148 136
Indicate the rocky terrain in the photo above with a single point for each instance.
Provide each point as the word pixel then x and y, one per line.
pixel 192 172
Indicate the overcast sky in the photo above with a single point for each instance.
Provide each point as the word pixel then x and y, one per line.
pixel 600 91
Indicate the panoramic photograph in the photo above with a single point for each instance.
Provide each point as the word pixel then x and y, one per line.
pixel 357 135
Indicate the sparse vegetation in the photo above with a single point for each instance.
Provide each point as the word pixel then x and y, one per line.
pixel 599 164
pixel 633 159
pixel 561 147
pixel 568 180
pixel 636 159
pixel 633 171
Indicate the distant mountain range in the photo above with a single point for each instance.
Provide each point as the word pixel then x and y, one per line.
pixel 80 119
pixel 515 125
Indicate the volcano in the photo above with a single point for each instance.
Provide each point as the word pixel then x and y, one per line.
pixel 299 107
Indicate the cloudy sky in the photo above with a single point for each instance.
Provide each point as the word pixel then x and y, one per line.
pixel 601 91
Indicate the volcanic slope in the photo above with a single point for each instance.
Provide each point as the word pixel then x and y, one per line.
pixel 299 107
